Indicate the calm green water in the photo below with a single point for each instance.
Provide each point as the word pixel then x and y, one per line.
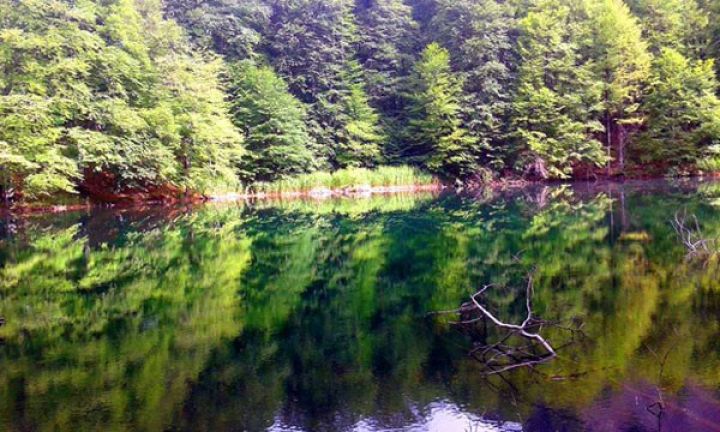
pixel 319 315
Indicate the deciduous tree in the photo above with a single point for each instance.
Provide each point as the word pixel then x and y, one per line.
pixel 622 63
pixel 683 112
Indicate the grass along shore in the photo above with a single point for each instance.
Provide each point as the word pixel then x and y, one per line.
pixel 384 179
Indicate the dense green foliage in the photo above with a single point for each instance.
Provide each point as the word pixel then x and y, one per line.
pixel 622 64
pixel 199 95
pixel 112 88
pixel 683 110
pixel 558 100
pixel 273 122
pixel 479 36
pixel 385 48
pixel 437 137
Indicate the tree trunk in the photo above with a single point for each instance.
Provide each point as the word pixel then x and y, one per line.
pixel 186 173
pixel 608 139
pixel 621 148
pixel 610 213
pixel 623 214
pixel 5 189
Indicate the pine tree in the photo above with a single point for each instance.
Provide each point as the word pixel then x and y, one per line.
pixel 311 45
pixel 273 122
pixel 623 65
pixel 557 99
pixel 436 137
pixel 309 42
pixel 360 144
pixel 479 36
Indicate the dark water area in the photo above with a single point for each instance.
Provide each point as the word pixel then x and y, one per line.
pixel 343 314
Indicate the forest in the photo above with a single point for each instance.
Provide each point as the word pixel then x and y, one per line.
pixel 103 97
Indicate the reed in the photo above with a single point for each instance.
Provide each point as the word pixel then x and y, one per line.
pixel 349 178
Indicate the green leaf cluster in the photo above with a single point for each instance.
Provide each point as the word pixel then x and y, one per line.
pixel 111 88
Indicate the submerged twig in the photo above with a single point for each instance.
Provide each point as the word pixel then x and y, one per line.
pixel 691 235
pixel 522 328
pixel 502 356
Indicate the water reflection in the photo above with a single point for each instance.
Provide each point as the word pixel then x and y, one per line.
pixel 318 315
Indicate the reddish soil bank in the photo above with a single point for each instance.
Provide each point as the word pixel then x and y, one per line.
pixel 97 190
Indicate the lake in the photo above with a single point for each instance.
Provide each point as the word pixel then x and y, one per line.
pixel 356 314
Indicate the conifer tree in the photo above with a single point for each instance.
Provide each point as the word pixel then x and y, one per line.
pixel 312 47
pixel 309 44
pixel 676 24
pixel 361 142
pixel 558 100
pixel 385 47
pixel 135 95
pixel 436 136
pixel 232 28
pixel 273 122
pixel 479 36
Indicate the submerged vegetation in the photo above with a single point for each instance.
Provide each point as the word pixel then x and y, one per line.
pixel 170 97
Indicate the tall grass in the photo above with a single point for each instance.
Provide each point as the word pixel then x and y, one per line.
pixel 384 176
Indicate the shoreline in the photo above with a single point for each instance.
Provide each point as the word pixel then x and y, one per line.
pixel 317 194
pixel 356 192
pixel 325 193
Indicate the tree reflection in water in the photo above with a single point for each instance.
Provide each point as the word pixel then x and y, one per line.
pixel 313 315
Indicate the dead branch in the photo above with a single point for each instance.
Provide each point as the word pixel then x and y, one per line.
pixel 522 328
pixel 691 235
pixel 502 356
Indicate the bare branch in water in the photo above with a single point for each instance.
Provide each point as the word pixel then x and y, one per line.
pixel 503 355
pixel 691 235
pixel 522 328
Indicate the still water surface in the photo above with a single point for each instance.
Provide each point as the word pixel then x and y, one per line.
pixel 322 316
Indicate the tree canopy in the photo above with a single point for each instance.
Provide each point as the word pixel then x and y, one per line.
pixel 195 96
pixel 108 87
